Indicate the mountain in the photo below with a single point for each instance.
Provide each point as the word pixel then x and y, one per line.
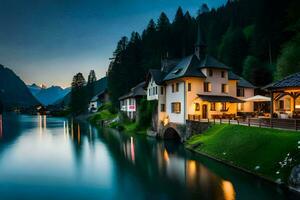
pixel 13 91
pixel 99 86
pixel 34 89
pixel 48 96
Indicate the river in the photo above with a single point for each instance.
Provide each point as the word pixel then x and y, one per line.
pixel 55 158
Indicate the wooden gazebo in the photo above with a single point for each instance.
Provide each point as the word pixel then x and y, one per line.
pixel 285 96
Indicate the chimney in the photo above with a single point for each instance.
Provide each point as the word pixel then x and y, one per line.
pixel 200 46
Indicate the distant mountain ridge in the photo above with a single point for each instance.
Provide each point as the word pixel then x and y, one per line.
pixel 99 86
pixel 48 96
pixel 13 91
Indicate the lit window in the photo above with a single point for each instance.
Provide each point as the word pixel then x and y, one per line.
pixel 176 107
pixel 288 103
pixel 240 106
pixel 224 88
pixel 197 107
pixel 223 108
pixel 297 106
pixel 207 87
pixel 213 106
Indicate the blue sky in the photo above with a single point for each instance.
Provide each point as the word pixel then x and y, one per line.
pixel 48 41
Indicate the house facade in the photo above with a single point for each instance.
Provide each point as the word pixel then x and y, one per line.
pixel 285 97
pixel 130 101
pixel 197 87
pixel 98 100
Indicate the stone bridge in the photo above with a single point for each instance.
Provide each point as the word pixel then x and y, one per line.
pixel 182 131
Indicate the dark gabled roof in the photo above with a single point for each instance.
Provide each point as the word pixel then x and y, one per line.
pixel 241 81
pixel 136 91
pixel 96 97
pixel 233 76
pixel 218 98
pixel 289 81
pixel 169 64
pixel 188 67
pixel 157 75
pixel 210 62
pixel 244 83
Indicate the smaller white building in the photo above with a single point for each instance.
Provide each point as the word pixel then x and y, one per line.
pixel 129 102
pixel 97 101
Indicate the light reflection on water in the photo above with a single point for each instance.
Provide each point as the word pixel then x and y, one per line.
pixel 66 159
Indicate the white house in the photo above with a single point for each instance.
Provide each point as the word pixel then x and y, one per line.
pixel 129 102
pixel 97 101
pixel 197 87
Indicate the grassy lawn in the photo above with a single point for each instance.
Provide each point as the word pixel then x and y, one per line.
pixel 103 114
pixel 267 152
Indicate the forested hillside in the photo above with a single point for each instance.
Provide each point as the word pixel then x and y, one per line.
pixel 259 39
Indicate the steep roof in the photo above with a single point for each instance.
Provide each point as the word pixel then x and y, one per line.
pixel 187 67
pixel 289 81
pixel 136 91
pixel 210 62
pixel 157 75
pixel 241 81
pixel 244 83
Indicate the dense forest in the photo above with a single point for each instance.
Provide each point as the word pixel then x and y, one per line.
pixel 258 39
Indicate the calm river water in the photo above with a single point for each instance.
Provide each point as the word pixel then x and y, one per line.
pixel 53 158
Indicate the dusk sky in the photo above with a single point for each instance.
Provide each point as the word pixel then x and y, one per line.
pixel 48 41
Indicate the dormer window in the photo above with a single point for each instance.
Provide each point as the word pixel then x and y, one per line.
pixel 210 72
pixel 176 71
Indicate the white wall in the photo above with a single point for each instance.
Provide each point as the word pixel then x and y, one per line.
pixel 248 106
pixel 152 88
pixel 175 97
pixel 129 106
pixel 216 81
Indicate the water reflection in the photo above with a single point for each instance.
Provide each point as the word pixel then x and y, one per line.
pixel 74 160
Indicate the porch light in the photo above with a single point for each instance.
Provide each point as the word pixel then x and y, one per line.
pixel 166 121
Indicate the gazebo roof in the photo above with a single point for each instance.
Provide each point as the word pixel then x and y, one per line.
pixel 289 81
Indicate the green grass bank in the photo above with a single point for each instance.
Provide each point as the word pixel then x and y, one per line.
pixel 118 120
pixel 265 152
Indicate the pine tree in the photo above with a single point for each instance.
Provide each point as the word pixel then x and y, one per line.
pixel 233 49
pixel 79 95
pixel 92 77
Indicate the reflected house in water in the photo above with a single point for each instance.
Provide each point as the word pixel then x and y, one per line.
pixel 193 174
pixel 185 172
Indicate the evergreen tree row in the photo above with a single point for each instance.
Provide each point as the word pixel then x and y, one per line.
pixel 259 39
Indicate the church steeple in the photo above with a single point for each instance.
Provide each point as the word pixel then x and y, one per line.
pixel 200 46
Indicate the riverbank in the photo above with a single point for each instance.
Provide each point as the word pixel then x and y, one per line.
pixel 107 117
pixel 267 153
